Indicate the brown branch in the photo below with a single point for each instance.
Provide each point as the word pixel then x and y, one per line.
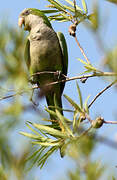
pixel 82 51
pixel 101 92
pixel 61 81
pixel 110 122
pixel 13 95
pixel 74 1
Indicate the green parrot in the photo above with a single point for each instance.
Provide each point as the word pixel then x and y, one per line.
pixel 45 51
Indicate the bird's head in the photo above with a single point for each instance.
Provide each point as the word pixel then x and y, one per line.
pixel 32 16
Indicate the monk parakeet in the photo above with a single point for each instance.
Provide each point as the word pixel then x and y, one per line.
pixel 45 51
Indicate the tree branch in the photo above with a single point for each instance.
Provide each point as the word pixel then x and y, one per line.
pixel 82 51
pixel 101 92
pixel 64 80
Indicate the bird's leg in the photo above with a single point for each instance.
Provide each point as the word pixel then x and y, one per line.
pixel 58 74
pixel 31 99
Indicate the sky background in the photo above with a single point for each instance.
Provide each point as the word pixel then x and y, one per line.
pixel 106 105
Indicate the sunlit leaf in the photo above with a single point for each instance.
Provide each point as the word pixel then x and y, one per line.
pixel 86 104
pixel 77 7
pixel 64 124
pixel 57 5
pixel 76 106
pixel 84 6
pixel 80 95
pixel 49 130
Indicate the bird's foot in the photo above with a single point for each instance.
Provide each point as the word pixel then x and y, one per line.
pixel 32 100
pixel 58 74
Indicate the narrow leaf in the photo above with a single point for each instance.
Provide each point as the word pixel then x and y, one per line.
pixel 66 127
pixel 54 143
pixel 45 156
pixel 34 154
pixel 70 8
pixel 66 17
pixel 77 7
pixel 32 129
pixel 86 104
pixel 80 95
pixel 74 121
pixel 84 6
pixel 49 11
pixel 51 131
pixel 51 112
pixel 29 135
pixel 82 61
pixel 57 5
pixel 76 106
pixel 89 67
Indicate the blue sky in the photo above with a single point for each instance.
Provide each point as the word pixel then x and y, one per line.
pixel 106 105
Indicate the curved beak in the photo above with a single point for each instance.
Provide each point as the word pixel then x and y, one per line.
pixel 20 21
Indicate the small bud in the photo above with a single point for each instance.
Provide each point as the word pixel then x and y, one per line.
pixel 98 122
pixel 83 80
pixel 82 117
pixel 72 30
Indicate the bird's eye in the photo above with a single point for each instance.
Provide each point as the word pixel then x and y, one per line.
pixel 27 12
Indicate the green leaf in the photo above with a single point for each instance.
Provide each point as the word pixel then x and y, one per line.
pixel 86 72
pixel 35 153
pixel 55 15
pixel 50 112
pixel 89 67
pixel 53 143
pixel 57 5
pixel 42 160
pixel 60 19
pixel 49 11
pixel 51 131
pixel 76 106
pixel 84 6
pixel 66 17
pixel 32 129
pixel 69 8
pixel 86 104
pixel 80 95
pixel 29 135
pixel 66 127
pixel 75 121
pixel 77 7
pixel 82 61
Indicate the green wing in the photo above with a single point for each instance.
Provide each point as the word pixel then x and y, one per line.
pixel 64 51
pixel 27 53
pixel 63 46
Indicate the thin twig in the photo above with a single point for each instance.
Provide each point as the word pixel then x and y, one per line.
pixel 82 51
pixel 74 1
pixel 88 118
pixel 49 72
pixel 110 122
pixel 13 95
pixel 104 122
pixel 101 92
pixel 61 81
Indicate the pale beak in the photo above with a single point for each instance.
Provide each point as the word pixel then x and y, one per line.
pixel 20 21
